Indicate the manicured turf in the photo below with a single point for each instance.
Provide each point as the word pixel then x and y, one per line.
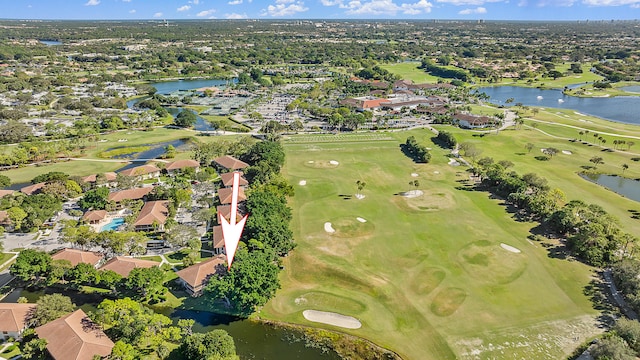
pixel 410 71
pixel 427 276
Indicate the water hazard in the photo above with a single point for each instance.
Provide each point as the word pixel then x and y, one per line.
pixel 626 187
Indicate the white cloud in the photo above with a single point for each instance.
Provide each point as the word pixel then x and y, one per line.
pixel 331 2
pixel 235 16
pixel 194 2
pixel 235 2
pixel 543 3
pixel 184 8
pixel 469 2
pixel 157 15
pixel 284 1
pixel 132 11
pixel 478 10
pixel 633 3
pixel 280 9
pixel 386 7
pixel 92 3
pixel 206 13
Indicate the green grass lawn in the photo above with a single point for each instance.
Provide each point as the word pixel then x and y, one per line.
pixel 410 71
pixel 427 277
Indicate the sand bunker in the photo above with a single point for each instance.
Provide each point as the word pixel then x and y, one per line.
pixel 359 196
pixel 414 174
pixel 412 193
pixel 302 182
pixel 436 172
pixel 310 162
pixel 543 149
pixel 361 220
pixel 347 322
pixel 510 248
pixel 567 152
pixel 333 162
pixel 453 162
pixel 328 228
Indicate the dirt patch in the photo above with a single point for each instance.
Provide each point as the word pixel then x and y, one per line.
pixel 330 318
pixel 427 280
pixel 431 200
pixel 447 301
pixel 322 164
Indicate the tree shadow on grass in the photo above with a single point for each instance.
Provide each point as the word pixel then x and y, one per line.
pixel 345 196
pixel 601 300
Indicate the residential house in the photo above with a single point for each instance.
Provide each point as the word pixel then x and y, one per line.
pixel 468 121
pixel 130 194
pixel 218 240
pixel 94 216
pixel 225 195
pixel 225 211
pixel 75 337
pixel 107 179
pixel 5 220
pixel 172 167
pixel 33 189
pixel 152 216
pixel 364 103
pixel 195 277
pixel 75 257
pixel 147 171
pixel 227 180
pixel 4 193
pixel 229 163
pixel 123 265
pixel 14 319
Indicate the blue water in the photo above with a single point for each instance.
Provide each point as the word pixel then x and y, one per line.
pixel 51 42
pixel 619 108
pixel 113 225
pixel 632 88
pixel 626 187
pixel 167 87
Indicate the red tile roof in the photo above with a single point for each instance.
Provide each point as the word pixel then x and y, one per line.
pixel 75 337
pixel 33 189
pixel 130 194
pixel 218 238
pixel 140 170
pixel 181 164
pixel 76 257
pixel 4 193
pixel 13 317
pixel 225 195
pixel 227 179
pixel 153 211
pixel 230 163
pixel 196 275
pixel 123 265
pixel 109 176
pixel 94 215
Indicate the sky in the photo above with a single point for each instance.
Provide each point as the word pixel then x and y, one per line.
pixel 322 9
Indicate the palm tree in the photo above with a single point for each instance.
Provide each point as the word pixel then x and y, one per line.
pixel 414 183
pixel 596 160
pixel 581 133
pixel 360 185
pixel 624 168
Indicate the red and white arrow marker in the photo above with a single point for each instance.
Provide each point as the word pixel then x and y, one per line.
pixel 231 231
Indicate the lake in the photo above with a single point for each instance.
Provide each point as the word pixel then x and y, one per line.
pixel 51 42
pixel 626 187
pixel 632 88
pixel 201 123
pixel 619 108
pixel 254 340
pixel 167 87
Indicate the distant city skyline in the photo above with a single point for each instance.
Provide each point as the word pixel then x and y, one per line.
pixel 322 9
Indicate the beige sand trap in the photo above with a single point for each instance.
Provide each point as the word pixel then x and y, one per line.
pixel 302 182
pixel 510 248
pixel 361 220
pixel 414 174
pixel 333 162
pixel 343 321
pixel 567 152
pixel 436 172
pixel 412 193
pixel 328 228
pixel 310 162
pixel 453 162
pixel 359 196
pixel 543 149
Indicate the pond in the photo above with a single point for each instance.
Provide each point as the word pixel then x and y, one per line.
pixel 139 158
pixel 254 340
pixel 620 108
pixel 632 88
pixel 626 187
pixel 201 123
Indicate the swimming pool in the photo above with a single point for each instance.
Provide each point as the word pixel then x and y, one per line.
pixel 113 225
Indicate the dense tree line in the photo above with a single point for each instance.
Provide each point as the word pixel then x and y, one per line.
pixel 419 153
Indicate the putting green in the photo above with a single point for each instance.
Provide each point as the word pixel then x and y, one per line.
pixel 426 276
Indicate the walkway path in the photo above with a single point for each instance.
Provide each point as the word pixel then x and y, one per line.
pixel 608 279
